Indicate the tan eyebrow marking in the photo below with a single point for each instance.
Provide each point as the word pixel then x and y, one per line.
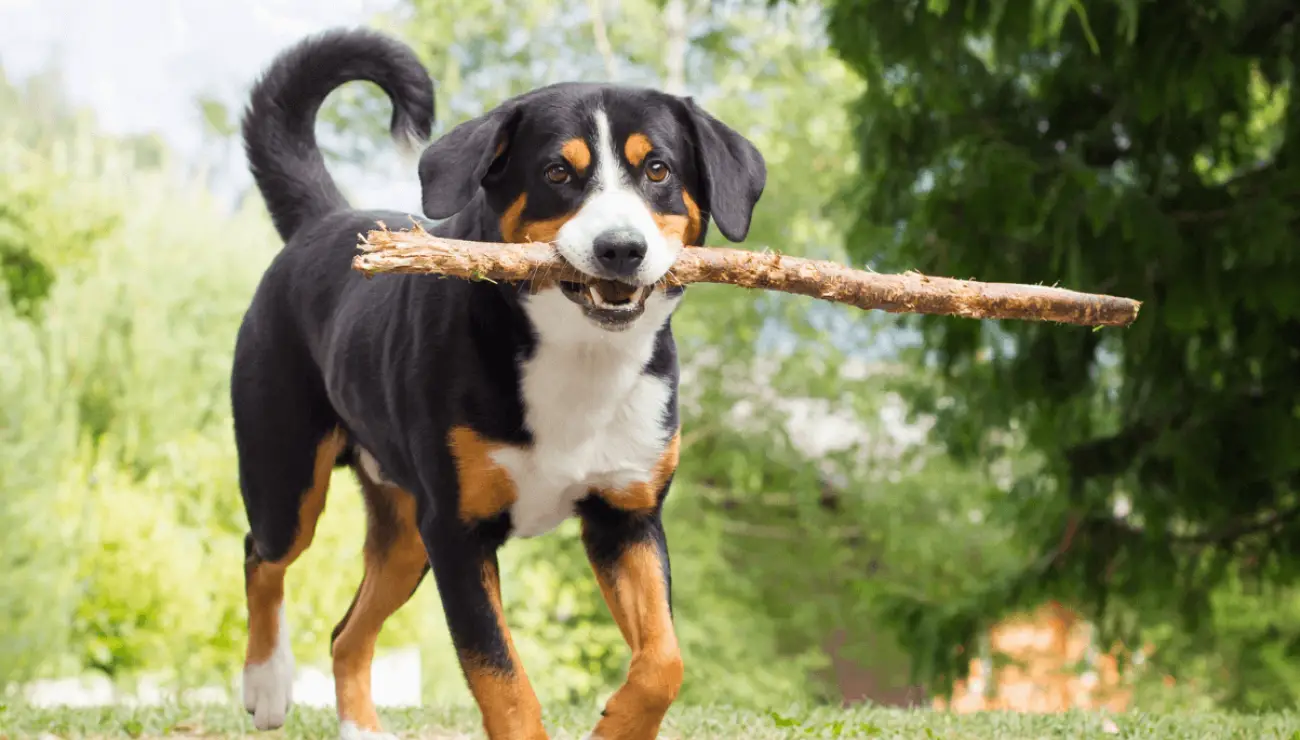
pixel 636 148
pixel 578 154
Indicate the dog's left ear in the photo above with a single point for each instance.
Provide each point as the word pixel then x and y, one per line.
pixel 732 169
pixel 453 167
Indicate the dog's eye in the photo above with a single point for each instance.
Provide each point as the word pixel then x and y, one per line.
pixel 656 170
pixel 557 174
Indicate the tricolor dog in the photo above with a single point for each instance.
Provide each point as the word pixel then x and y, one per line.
pixel 471 411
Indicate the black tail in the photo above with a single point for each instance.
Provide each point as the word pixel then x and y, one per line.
pixel 279 123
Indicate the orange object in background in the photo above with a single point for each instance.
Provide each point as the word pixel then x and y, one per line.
pixel 1045 670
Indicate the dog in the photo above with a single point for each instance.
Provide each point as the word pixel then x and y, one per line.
pixel 472 412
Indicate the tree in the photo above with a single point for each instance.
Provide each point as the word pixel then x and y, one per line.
pixel 1136 148
pixel 46 147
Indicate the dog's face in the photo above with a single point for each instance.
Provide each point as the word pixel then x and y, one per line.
pixel 619 179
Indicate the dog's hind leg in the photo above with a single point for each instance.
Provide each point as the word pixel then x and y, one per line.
pixel 396 562
pixel 288 445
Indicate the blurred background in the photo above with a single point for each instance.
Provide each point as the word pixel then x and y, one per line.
pixel 935 512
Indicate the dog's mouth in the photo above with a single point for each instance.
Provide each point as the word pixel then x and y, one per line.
pixel 612 304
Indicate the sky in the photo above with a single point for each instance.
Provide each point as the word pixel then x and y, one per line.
pixel 140 64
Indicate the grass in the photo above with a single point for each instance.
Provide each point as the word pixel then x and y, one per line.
pixel 226 721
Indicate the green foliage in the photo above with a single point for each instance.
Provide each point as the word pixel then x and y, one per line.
pixel 37 433
pixel 115 476
pixel 34 240
pixel 119 368
pixel 1253 663
pixel 148 600
pixel 1138 149
pixel 39 182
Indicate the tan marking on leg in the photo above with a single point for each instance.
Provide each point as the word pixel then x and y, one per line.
pixel 636 148
pixel 485 487
pixel 578 155
pixel 264 580
pixel 264 592
pixel 637 596
pixel 395 562
pixel 509 707
pixel 645 494
pixel 506 700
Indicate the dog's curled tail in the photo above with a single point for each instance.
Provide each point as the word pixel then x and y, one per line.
pixel 279 123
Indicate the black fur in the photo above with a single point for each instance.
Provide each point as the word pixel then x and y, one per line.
pixel 733 173
pixel 279 124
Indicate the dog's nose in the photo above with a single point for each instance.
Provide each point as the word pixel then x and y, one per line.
pixel 620 252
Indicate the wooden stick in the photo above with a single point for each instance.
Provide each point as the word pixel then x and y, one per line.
pixel 418 252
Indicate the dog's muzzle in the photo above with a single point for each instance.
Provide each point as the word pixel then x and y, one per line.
pixel 612 304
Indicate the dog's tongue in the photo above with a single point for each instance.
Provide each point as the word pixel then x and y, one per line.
pixel 614 291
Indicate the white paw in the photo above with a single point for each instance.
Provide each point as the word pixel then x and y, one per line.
pixel 268 686
pixel 349 731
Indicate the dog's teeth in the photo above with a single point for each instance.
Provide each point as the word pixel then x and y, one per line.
pixel 595 295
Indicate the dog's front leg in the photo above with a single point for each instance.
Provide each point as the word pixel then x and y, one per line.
pixel 462 532
pixel 629 554
pixel 464 565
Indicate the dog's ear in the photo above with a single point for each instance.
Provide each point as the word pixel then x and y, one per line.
pixel 732 169
pixel 453 167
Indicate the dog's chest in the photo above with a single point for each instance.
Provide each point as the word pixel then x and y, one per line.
pixel 597 422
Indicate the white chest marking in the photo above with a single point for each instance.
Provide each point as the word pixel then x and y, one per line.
pixel 597 420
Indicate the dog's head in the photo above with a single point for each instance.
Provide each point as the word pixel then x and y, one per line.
pixel 619 179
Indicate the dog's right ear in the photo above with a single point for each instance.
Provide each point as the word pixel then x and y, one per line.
pixel 453 167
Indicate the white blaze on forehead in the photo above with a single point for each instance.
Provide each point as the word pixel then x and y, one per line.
pixel 610 174
pixel 614 203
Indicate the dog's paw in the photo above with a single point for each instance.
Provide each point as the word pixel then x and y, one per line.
pixel 268 688
pixel 349 731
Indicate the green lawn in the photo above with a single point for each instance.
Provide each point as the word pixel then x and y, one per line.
pixel 684 722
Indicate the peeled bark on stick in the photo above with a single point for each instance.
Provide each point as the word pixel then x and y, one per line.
pixel 418 252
